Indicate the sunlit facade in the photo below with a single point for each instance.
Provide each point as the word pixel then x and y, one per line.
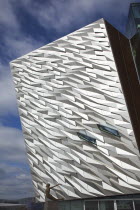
pixel 74 117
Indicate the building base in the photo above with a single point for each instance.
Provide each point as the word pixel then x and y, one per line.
pixel 125 202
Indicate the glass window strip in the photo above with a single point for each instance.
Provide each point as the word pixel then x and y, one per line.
pixel 109 130
pixel 87 138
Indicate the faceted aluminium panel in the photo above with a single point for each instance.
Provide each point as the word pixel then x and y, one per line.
pixel 74 117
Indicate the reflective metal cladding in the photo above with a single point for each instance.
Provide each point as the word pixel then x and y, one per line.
pixel 74 117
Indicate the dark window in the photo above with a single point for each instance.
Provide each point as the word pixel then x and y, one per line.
pixel 109 130
pixel 91 205
pixel 124 205
pixel 87 138
pixel 137 204
pixel 106 205
pixel 135 47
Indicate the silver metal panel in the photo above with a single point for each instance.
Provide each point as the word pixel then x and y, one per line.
pixel 69 86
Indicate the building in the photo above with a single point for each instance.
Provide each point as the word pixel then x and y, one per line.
pixel 133 24
pixel 80 118
pixel 133 67
pixel 133 33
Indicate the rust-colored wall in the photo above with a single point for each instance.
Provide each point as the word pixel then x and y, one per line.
pixel 128 76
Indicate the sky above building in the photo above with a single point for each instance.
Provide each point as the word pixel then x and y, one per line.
pixel 26 25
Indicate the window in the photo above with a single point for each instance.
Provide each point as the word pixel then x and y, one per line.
pixel 91 205
pixel 135 47
pixel 106 205
pixel 87 138
pixel 124 205
pixel 109 130
pixel 137 204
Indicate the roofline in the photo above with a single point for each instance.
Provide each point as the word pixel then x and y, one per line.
pixel 101 19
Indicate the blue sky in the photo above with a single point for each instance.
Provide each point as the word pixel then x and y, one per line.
pixel 24 26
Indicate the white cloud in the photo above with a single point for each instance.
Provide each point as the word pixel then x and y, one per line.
pixel 7 16
pixel 12 147
pixel 63 15
pixel 15 179
pixel 16 42
pixel 7 93
pixel 20 45
pixel 60 15
pixel 13 187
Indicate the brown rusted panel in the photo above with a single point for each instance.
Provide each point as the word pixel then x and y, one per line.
pixel 128 76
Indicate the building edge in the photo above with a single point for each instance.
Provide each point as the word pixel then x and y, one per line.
pixel 128 76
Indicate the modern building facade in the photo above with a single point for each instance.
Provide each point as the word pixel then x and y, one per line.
pixel 133 33
pixel 78 114
pixel 133 24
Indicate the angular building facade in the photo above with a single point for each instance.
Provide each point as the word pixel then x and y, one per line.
pixel 133 33
pixel 77 116
pixel 133 24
